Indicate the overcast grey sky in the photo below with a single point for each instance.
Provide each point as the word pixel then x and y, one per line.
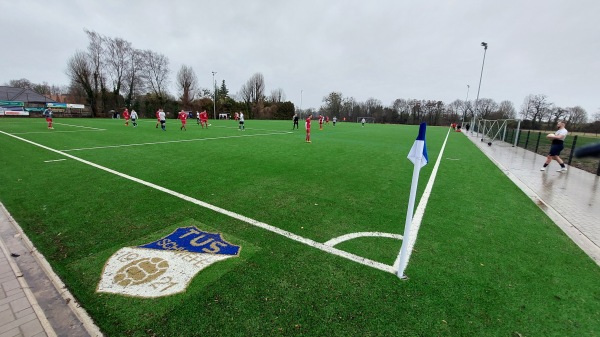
pixel 381 49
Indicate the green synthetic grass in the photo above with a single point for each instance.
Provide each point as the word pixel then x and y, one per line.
pixel 487 261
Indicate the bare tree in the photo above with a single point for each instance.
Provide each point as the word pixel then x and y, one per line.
pixel 81 73
pixel 95 59
pixel 257 85
pixel 487 108
pixel 156 74
pixel 245 94
pixel 576 116
pixel 536 108
pixel 402 107
pixel 117 64
pixel 333 104
pixel 134 81
pixel 506 110
pixel 277 96
pixel 22 83
pixel 187 83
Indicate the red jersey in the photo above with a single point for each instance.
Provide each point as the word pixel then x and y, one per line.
pixel 320 119
pixel 126 114
pixel 157 115
pixel 183 116
pixel 307 123
pixel 204 116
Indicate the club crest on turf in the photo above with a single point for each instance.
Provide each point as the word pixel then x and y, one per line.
pixel 165 266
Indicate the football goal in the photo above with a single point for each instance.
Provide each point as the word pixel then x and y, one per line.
pixel 492 130
pixel 367 119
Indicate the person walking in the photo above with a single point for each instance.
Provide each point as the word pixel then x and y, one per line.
pixel 161 118
pixel 48 115
pixel 363 122
pixel 204 119
pixel 334 120
pixel 558 144
pixel 134 117
pixel 242 127
pixel 295 122
pixel 126 116
pixel 183 118
pixel 307 127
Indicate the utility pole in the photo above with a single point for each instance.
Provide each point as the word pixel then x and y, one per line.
pixel 215 96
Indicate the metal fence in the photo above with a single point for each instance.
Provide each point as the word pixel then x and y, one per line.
pixel 536 141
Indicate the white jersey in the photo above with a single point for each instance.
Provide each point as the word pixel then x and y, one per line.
pixel 241 117
pixel 133 114
pixel 562 132
pixel 161 115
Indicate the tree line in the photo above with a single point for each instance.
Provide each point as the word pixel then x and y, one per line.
pixel 111 74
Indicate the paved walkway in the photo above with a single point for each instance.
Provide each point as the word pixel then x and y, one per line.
pixel 571 199
pixel 34 302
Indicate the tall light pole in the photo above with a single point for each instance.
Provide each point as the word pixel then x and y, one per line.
pixel 301 91
pixel 484 45
pixel 466 105
pixel 215 96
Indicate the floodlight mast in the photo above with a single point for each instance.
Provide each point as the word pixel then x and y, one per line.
pixel 215 96
pixel 466 106
pixel 485 46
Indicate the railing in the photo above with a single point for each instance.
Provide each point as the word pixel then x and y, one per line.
pixel 536 142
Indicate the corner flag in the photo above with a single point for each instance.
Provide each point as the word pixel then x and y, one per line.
pixel 418 156
pixel 418 152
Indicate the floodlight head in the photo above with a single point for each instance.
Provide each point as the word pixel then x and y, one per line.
pixel 484 44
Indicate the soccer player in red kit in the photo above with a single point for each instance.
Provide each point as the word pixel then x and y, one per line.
pixel 48 115
pixel 204 119
pixel 126 116
pixel 157 118
pixel 320 122
pixel 183 118
pixel 307 126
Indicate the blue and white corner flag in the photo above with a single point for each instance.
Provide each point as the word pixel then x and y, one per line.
pixel 418 152
pixel 418 156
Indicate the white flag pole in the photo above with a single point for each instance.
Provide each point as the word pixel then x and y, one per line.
pixel 403 255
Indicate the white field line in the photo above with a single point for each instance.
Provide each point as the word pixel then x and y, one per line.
pixel 80 126
pixel 351 236
pixel 52 131
pixel 51 161
pixel 420 211
pixel 174 141
pixel 289 235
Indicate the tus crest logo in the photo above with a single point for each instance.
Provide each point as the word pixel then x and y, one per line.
pixel 165 266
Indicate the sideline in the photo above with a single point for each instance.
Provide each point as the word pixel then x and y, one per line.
pixel 420 211
pixel 174 141
pixel 276 230
pixel 417 218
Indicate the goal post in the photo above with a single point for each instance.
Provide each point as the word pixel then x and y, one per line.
pixel 367 119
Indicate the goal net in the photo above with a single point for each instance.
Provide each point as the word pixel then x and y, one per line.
pixel 367 119
pixel 492 130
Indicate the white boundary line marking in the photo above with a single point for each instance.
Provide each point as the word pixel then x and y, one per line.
pixel 289 235
pixel 174 141
pixel 420 211
pixel 351 236
pixel 52 161
pixel 80 126
pixel 52 131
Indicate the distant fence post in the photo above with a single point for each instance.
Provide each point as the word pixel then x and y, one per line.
pixel 527 139
pixel 572 150
pixel 537 144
